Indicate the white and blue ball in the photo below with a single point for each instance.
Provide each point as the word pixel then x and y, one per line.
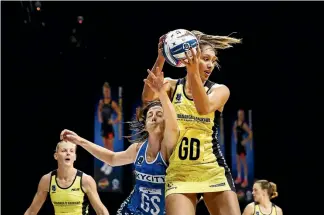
pixel 176 44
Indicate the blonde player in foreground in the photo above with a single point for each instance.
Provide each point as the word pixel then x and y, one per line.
pixel 69 188
pixel 263 192
pixel 197 166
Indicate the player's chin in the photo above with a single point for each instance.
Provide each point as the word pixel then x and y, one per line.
pixel 204 77
pixel 68 162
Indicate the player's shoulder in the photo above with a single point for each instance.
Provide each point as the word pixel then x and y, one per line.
pixel 47 176
pixel 223 87
pixel 216 85
pixel 45 181
pixel 138 145
pixel 171 80
pixel 86 179
pixel 279 210
pixel 250 207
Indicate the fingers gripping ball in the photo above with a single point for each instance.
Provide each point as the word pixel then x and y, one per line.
pixel 175 44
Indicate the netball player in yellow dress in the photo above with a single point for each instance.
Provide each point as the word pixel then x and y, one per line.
pixel 197 166
pixel 69 189
pixel 263 192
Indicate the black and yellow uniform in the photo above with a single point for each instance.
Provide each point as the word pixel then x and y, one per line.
pixel 257 210
pixel 71 200
pixel 196 164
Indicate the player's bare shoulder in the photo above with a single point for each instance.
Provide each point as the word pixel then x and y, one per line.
pixel 249 209
pixel 279 210
pixel 216 86
pixel 45 182
pixel 138 145
pixel 86 181
pixel 172 81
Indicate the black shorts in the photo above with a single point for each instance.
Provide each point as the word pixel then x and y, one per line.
pixel 240 149
pixel 107 131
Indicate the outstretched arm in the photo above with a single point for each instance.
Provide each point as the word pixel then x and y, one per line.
pixel 112 158
pixel 148 94
pixel 40 196
pixel 90 188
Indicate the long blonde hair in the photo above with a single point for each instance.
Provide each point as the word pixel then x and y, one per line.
pixel 216 42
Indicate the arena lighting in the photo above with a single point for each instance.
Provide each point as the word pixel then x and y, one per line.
pixel 38 6
pixel 80 19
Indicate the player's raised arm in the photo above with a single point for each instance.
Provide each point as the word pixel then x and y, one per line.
pixel 171 131
pixel 112 158
pixel 40 197
pixel 148 94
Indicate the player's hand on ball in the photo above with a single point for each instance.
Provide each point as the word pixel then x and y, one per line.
pixel 67 135
pixel 156 82
pixel 192 63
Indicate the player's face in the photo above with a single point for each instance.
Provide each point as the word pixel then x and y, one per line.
pixel 155 120
pixel 106 92
pixel 65 154
pixel 240 114
pixel 258 193
pixel 207 62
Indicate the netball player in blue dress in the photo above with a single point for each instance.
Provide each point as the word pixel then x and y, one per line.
pixel 150 152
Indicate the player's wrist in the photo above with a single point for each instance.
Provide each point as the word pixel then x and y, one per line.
pixel 160 59
pixel 83 142
pixel 162 93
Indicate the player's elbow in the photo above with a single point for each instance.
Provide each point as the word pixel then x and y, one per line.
pixel 113 160
pixel 30 212
pixel 102 211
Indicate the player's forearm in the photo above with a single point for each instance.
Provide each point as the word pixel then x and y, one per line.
pixel 102 211
pixel 199 95
pixel 169 112
pixel 97 151
pixel 31 211
pixel 148 94
pixel 158 63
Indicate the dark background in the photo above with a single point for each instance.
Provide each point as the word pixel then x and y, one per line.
pixel 50 84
